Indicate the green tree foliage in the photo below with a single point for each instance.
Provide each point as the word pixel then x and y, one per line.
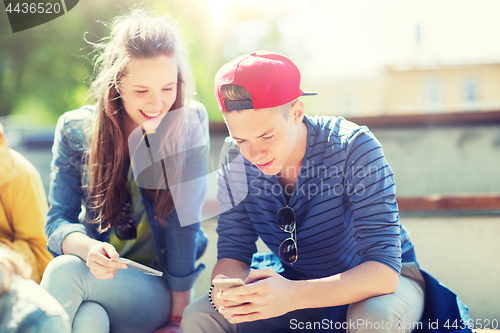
pixel 43 70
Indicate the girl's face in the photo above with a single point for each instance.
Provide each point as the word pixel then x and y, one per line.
pixel 148 89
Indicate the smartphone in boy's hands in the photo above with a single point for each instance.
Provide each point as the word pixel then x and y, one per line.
pixel 224 284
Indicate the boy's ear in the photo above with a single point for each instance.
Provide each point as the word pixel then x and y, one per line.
pixel 298 111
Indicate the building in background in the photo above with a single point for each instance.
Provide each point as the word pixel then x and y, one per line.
pixel 442 88
pixel 412 89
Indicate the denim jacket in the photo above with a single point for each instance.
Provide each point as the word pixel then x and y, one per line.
pixel 177 246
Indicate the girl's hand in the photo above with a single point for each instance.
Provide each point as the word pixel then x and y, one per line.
pixel 100 263
pixel 266 295
pixel 169 329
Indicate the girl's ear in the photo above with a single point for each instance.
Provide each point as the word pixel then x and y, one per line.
pixel 298 111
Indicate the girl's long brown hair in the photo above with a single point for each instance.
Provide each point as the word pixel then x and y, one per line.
pixel 136 35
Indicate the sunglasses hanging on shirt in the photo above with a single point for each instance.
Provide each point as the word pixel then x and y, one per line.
pixel 285 218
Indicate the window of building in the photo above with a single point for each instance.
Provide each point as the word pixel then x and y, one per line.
pixel 470 94
pixel 433 95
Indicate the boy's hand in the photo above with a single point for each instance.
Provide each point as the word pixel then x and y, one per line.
pixel 266 295
pixel 219 302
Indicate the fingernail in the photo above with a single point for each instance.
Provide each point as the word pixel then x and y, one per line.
pixel 124 267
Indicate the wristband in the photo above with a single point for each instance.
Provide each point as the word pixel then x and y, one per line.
pixel 210 298
pixel 175 321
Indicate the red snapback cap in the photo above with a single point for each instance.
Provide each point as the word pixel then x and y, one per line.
pixel 271 79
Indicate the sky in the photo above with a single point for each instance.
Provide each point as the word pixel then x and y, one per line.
pixel 339 38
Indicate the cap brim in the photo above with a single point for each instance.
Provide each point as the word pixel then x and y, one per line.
pixel 309 93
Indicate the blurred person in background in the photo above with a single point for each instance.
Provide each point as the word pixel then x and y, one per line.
pixel 24 305
pixel 142 74
pixel 23 207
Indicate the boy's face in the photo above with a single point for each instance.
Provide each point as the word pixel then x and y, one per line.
pixel 265 137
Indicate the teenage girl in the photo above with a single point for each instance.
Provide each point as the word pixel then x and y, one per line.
pixel 98 209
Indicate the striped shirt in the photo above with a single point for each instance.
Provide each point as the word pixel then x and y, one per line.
pixel 344 201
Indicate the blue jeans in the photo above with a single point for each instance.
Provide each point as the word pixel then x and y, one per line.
pixel 130 302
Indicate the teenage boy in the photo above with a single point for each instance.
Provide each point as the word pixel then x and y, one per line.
pixel 322 197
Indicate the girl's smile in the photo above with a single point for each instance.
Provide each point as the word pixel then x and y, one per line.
pixel 149 114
